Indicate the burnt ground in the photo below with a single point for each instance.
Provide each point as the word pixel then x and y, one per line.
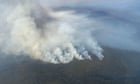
pixel 118 67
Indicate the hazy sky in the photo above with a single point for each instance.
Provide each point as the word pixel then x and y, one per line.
pixel 103 3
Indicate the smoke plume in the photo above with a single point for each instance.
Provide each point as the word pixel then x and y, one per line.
pixel 42 33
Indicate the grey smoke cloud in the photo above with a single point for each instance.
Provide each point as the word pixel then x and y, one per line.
pixel 33 28
pixel 47 35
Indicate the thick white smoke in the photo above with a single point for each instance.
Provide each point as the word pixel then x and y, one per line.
pixel 47 35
